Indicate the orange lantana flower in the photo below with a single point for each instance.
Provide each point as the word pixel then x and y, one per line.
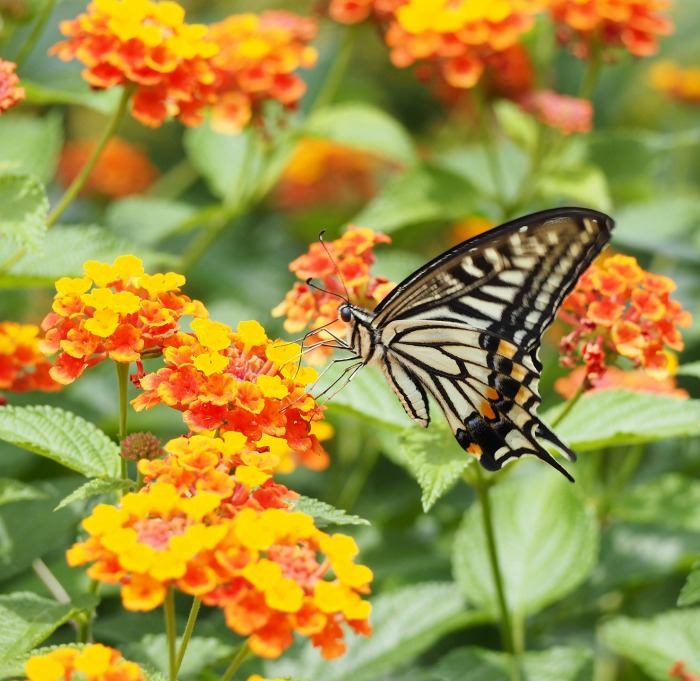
pixel 22 365
pixel 10 92
pixel 121 170
pixel 94 662
pixel 344 267
pixel 619 310
pixel 241 382
pixel 148 45
pixel 634 25
pixel 256 62
pixel 113 311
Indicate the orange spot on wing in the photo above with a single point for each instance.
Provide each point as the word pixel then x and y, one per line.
pixel 519 372
pixel 491 394
pixel 474 450
pixel 506 349
pixel 486 410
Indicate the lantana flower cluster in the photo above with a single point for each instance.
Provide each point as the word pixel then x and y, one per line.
pixel 634 25
pixel 10 91
pixel 677 81
pixel 177 69
pixel 322 172
pixel 22 365
pixel 256 62
pixel 212 523
pixel 114 311
pixel 241 382
pixel 619 310
pixel 122 169
pixel 341 268
pixel 94 662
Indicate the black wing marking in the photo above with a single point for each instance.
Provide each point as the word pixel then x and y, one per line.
pixel 509 281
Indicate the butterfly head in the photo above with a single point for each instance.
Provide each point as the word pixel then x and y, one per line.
pixel 345 313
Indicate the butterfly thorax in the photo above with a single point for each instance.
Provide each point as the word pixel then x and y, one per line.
pixel 362 337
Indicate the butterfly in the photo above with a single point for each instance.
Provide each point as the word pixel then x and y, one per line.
pixel 466 328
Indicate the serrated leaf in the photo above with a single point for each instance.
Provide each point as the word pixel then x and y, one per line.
pixel 406 622
pixel 25 207
pixel 27 619
pixel 435 460
pixel 690 593
pixel 63 437
pixel 94 487
pixel 147 219
pixel 480 664
pixel 617 417
pixel 324 514
pixel 369 397
pixel 656 644
pixel 584 185
pixel 672 500
pixel 14 490
pixel 30 144
pixel 66 248
pixel 546 540
pixel 365 127
pixel 424 193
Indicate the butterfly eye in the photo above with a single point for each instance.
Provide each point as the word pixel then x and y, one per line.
pixel 345 313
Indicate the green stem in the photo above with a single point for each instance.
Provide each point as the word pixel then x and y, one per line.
pixel 594 66
pixel 171 632
pixel 123 386
pixel 236 662
pixel 34 36
pixel 336 72
pixel 189 627
pixel 507 631
pixel 83 175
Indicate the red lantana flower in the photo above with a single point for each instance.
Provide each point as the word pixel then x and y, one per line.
pixel 634 25
pixel 146 45
pixel 343 267
pixel 114 311
pixel 241 382
pixel 619 310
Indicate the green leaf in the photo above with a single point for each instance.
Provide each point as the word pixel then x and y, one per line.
pixel 73 91
pixel 148 219
pixel 94 487
pixel 369 397
pixel 24 210
pixel 656 644
pixel 66 249
pixel 617 417
pixel 424 193
pixel 480 664
pixel 31 144
pixel 14 490
pixel 406 622
pixel 63 437
pixel 365 127
pixel 435 459
pixel 226 162
pixel 324 514
pixel 547 545
pixel 26 620
pixel 690 593
pixel 30 529
pixel 520 126
pixel 690 369
pixel 584 184
pixel 672 500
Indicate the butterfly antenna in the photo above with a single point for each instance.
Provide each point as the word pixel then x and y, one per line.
pixel 335 265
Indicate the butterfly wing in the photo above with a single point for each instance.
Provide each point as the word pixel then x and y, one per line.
pixel 467 326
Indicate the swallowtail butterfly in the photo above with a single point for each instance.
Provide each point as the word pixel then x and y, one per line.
pixel 467 328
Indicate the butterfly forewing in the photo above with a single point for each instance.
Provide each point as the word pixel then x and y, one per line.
pixel 467 328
